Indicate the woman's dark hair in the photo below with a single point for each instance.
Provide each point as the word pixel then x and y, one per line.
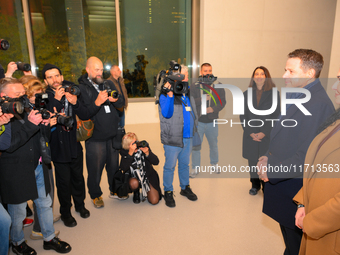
pixel 268 84
pixel 331 120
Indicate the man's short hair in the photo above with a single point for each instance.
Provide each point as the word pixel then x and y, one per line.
pixel 49 67
pixel 4 82
pixel 113 67
pixel 310 59
pixel 205 64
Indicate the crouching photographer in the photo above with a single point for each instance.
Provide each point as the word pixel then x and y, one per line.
pixel 67 152
pixel 136 163
pixel 26 162
pixel 177 113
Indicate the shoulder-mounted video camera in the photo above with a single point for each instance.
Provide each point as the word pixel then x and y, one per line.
pixel 174 77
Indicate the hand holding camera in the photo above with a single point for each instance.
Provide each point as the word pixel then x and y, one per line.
pixel 101 98
pixel 35 117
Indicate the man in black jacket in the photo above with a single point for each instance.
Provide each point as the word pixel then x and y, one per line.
pixel 67 153
pixel 24 175
pixel 101 108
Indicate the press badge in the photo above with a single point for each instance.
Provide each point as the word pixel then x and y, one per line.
pixel 188 108
pixel 107 109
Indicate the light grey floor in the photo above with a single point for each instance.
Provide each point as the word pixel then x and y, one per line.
pixel 224 220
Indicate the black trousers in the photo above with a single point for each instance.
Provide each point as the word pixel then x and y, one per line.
pixel 292 239
pixel 100 155
pixel 70 183
pixel 254 177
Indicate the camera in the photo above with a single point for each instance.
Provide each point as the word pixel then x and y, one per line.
pixel 10 105
pixel 174 77
pixel 141 144
pixel 4 44
pixel 40 104
pixel 207 79
pixel 23 66
pixel 72 89
pixel 66 121
pixel 106 86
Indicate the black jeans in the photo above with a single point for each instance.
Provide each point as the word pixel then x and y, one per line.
pixel 70 183
pixel 100 155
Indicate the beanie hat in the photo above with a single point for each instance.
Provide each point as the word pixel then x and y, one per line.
pixel 49 67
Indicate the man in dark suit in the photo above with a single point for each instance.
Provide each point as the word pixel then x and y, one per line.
pixel 288 145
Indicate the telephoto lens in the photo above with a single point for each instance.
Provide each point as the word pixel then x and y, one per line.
pixel 66 121
pixel 4 44
pixel 72 89
pixel 12 107
pixel 142 144
pixel 113 93
pixel 23 66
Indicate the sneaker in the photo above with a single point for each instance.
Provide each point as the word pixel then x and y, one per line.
pixel 193 173
pixel 27 222
pixel 23 249
pixel 187 192
pixel 57 245
pixel 38 235
pixel 217 169
pixel 114 195
pixel 56 219
pixel 169 199
pixel 98 202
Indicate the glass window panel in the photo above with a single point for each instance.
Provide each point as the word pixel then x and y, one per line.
pixel 67 32
pixel 153 33
pixel 12 29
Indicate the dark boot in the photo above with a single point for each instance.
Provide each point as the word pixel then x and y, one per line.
pixel 136 196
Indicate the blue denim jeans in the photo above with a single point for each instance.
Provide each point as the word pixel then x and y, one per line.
pixel 211 133
pixel 122 119
pixel 5 224
pixel 172 154
pixel 44 210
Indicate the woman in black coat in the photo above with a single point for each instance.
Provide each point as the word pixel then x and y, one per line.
pixel 137 159
pixel 256 135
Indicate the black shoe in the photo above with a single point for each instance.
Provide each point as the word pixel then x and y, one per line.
pixel 84 213
pixel 253 191
pixel 187 192
pixel 169 198
pixel 57 245
pixel 69 221
pixel 23 249
pixel 136 196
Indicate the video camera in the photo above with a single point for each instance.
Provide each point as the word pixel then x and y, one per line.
pixel 11 105
pixel 207 79
pixel 141 144
pixel 174 77
pixel 107 87
pixel 71 88
pixel 4 44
